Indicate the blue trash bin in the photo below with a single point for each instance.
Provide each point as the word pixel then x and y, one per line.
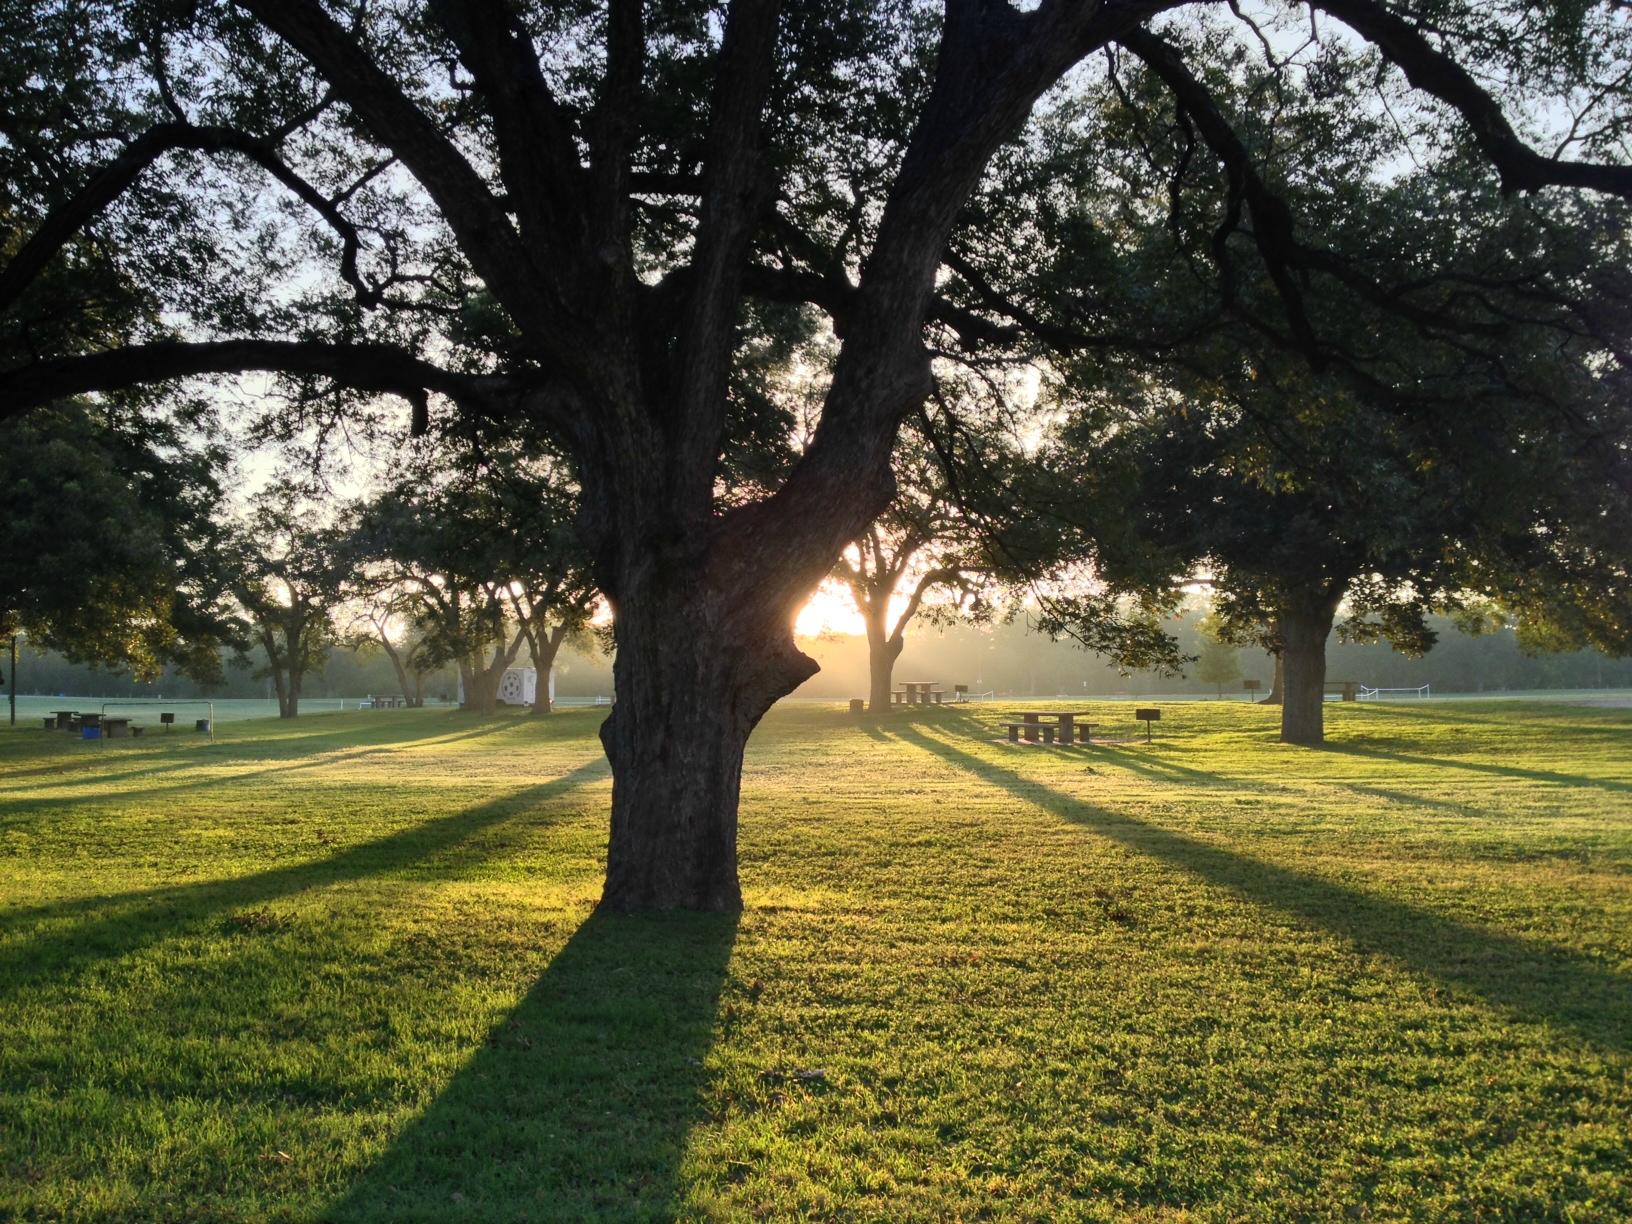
pixel 91 732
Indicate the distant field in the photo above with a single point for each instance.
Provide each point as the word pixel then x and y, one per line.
pixel 347 969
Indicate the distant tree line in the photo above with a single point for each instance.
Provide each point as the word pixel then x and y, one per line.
pixel 1016 659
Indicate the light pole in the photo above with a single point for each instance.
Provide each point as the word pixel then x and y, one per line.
pixel 11 685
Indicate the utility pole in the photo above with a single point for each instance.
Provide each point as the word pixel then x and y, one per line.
pixel 11 686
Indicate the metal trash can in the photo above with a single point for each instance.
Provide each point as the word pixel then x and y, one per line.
pixel 202 724
pixel 91 732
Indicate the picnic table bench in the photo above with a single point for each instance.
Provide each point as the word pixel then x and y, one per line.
pixel 1062 726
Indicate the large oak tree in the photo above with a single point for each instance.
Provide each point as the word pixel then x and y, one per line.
pixel 564 214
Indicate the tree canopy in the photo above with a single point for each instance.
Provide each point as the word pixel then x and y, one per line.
pixel 110 548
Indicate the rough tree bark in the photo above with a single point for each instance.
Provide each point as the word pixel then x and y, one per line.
pixel 1305 626
pixel 695 671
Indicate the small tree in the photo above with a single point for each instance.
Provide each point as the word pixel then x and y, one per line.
pixel 1219 662
pixel 290 576
pixel 386 623
pixel 922 544
pixel 478 550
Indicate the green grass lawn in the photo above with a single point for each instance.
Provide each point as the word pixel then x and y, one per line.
pixel 347 969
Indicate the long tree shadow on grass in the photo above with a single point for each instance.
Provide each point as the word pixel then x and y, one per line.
pixel 297 748
pixel 1532 980
pixel 1484 767
pixel 87 930
pixel 579 1103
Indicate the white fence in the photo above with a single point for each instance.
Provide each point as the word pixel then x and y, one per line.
pixel 1374 693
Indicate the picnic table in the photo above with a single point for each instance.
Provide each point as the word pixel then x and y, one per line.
pixel 65 719
pixel 1063 723
pixel 119 728
pixel 919 692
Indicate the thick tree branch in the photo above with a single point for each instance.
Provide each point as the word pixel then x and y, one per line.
pixel 1438 74
pixel 471 210
pixel 116 177
pixel 930 579
pixel 995 61
pixel 612 127
pixel 1272 227
pixel 538 159
pixel 380 368
pixel 734 198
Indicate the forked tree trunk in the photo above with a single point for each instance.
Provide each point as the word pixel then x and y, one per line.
pixel 1304 630
pixel 490 674
pixel 282 688
pixel 692 682
pixel 545 647
pixel 395 656
pixel 882 653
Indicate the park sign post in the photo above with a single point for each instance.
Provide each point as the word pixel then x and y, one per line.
pixel 1148 715
pixel 1252 687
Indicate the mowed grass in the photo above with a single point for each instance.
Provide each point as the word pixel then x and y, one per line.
pixel 348 969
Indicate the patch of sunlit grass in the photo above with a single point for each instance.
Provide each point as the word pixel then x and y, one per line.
pixel 349 969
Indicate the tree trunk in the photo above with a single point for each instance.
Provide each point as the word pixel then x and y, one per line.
pixel 397 666
pixel 692 681
pixel 1277 686
pixel 545 648
pixel 280 682
pixel 295 672
pixel 1304 631
pixel 487 691
pixel 882 652
pixel 489 675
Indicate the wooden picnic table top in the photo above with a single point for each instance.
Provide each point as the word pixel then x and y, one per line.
pixel 1051 713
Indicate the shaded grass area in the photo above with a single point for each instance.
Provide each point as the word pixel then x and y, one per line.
pixel 350 971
